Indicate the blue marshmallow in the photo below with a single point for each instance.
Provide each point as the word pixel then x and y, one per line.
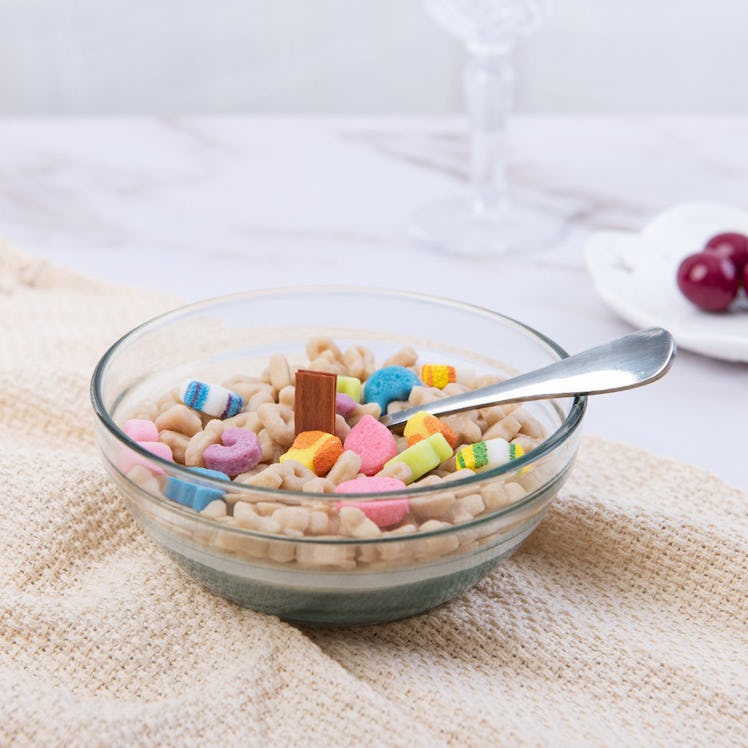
pixel 192 495
pixel 388 384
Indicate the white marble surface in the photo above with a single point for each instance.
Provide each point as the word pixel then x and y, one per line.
pixel 206 206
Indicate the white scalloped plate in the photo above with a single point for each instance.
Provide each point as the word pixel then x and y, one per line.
pixel 636 275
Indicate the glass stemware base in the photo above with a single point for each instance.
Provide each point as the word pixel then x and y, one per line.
pixel 458 226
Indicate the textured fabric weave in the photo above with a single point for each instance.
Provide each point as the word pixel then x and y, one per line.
pixel 621 621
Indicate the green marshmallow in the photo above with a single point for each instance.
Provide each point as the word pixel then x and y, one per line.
pixel 350 386
pixel 424 455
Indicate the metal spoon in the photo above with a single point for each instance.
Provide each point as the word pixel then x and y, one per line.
pixel 630 361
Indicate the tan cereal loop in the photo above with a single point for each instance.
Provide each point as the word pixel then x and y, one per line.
pixel 360 362
pixel 211 434
pixel 315 347
pixel 278 421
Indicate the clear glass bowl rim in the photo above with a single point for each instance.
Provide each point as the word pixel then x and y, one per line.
pixel 564 431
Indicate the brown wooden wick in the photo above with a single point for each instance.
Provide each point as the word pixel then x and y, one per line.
pixel 315 401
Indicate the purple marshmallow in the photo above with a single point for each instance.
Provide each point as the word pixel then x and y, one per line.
pixel 240 452
pixel 344 404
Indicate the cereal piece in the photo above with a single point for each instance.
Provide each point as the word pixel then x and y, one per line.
pixel 318 523
pixel 373 442
pixel 342 429
pixel 345 405
pixel 177 443
pixel 315 401
pixel 346 467
pixel 359 361
pixel 507 428
pixel 424 455
pixel 191 494
pixel 266 508
pixel 492 414
pixel 267 478
pixel 260 398
pixel 271 451
pixel 278 420
pixel 246 420
pixel 395 405
pixel 422 424
pixel 530 426
pixel 488 454
pixel 424 395
pixel 405 357
pixel 320 345
pixel 431 507
pixel 145 479
pixel 141 430
pixel 366 409
pixel 292 518
pixel 280 372
pixel 294 475
pixel 383 512
pixel 388 384
pixel 287 396
pixel 180 419
pixel 240 451
pixel 398 470
pixel 321 556
pixel 349 386
pixel 211 399
pixel 247 517
pixel 282 552
pixel 211 434
pixel 465 426
pixel 438 375
pixel 473 504
pixel 318 485
pixel 316 450
pixel 525 442
pixel 356 524
pixel 215 509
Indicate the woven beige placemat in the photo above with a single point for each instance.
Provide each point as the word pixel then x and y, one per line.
pixel 622 621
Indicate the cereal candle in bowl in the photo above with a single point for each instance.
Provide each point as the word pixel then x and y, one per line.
pixel 244 435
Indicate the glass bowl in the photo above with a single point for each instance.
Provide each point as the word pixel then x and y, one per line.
pixel 456 530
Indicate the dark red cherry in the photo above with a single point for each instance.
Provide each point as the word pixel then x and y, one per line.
pixel 732 245
pixel 708 280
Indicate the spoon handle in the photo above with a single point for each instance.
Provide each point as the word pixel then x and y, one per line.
pixel 630 361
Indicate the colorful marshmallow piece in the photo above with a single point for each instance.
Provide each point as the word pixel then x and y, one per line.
pixel 350 386
pixel 345 405
pixel 373 442
pixel 438 375
pixel 316 450
pixel 211 399
pixel 192 495
pixel 424 455
pixel 141 430
pixel 314 407
pixel 422 424
pixel 239 451
pixel 382 512
pixel 388 384
pixel 129 459
pixel 488 454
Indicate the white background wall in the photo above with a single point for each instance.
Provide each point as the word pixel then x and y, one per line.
pixel 108 56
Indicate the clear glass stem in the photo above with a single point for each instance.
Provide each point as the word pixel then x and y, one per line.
pixel 489 83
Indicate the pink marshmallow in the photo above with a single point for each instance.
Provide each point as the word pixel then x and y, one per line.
pixel 382 512
pixel 372 442
pixel 141 430
pixel 129 459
